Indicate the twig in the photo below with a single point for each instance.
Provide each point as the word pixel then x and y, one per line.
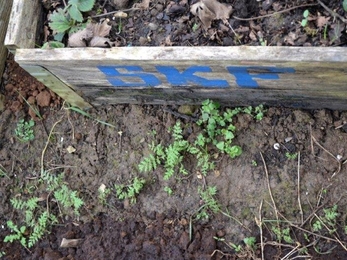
pixel 114 12
pixel 45 148
pixel 236 220
pixel 259 223
pixel 336 159
pixel 269 187
pixel 299 197
pixel 291 252
pixel 269 15
pixel 334 14
pixel 305 230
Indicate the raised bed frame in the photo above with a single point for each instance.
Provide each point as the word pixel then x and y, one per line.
pixel 305 77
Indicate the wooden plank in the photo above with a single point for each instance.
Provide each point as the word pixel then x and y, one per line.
pixel 289 76
pixel 56 85
pixel 5 10
pixel 22 27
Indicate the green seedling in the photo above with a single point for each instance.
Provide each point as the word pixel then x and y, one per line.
pixel 70 18
pixel 304 21
pixel 250 242
pixel 291 156
pixel 282 234
pixel 131 190
pixel 36 218
pixel 168 190
pixel 344 5
pixel 24 130
pixel 254 163
pixel 210 204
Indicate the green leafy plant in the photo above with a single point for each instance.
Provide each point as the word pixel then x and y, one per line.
pixel 282 234
pixel 250 242
pixel 131 190
pixel 291 156
pixel 24 130
pixel 171 156
pixel 37 219
pixel 70 18
pixel 344 5
pixel 69 199
pixel 328 220
pixel 168 190
pixel 304 21
pixel 210 204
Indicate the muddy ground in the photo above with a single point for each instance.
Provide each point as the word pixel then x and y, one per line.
pixel 162 226
pixel 290 174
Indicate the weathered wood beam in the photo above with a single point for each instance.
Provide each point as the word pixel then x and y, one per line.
pixel 22 26
pixel 5 10
pixel 289 76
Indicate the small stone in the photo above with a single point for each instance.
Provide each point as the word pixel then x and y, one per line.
pixel 153 26
pixel 43 98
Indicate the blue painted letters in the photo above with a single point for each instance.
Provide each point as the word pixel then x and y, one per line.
pixel 244 75
pixel 135 76
pixel 176 78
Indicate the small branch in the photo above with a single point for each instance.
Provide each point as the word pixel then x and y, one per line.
pixel 272 14
pixel 45 148
pixel 269 187
pixel 299 197
pixel 334 14
pixel 114 12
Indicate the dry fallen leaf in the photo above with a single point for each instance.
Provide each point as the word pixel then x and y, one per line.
pixel 70 149
pixel 66 243
pixel 101 29
pixel 143 5
pixel 94 35
pixel 209 10
pixel 98 41
pixel 80 38
pixel 322 21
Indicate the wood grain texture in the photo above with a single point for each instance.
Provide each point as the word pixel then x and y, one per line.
pixel 22 27
pixel 5 10
pixel 313 77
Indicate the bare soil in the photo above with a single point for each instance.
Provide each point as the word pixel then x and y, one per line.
pixel 159 226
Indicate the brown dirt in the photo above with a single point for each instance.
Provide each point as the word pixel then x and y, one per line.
pixel 158 226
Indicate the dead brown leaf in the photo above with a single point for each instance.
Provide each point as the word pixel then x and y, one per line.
pixel 94 35
pixel 143 5
pixel 209 10
pixel 322 21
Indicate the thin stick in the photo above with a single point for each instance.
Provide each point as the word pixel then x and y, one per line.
pixel 235 219
pixel 259 223
pixel 269 188
pixel 114 12
pixel 305 230
pixel 338 161
pixel 332 12
pixel 299 197
pixel 291 252
pixel 44 149
pixel 269 15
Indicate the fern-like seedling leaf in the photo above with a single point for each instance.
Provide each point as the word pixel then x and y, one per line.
pixel 148 164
